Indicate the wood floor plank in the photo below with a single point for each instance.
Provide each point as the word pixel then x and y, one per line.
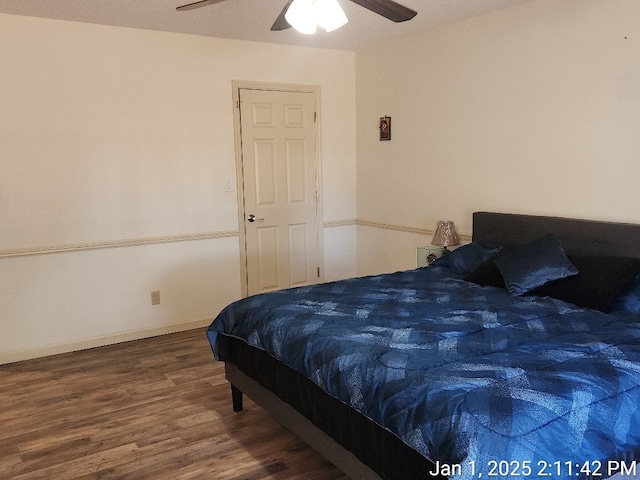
pixel 157 408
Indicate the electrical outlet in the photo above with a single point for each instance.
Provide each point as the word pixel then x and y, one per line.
pixel 155 297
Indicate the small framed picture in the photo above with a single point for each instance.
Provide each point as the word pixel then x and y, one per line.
pixel 385 128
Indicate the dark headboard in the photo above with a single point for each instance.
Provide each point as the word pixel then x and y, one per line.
pixel 579 237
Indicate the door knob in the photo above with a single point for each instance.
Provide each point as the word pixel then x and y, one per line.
pixel 252 218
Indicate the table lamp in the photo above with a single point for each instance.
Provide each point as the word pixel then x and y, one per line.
pixel 445 235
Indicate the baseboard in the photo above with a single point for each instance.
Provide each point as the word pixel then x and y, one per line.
pixel 55 349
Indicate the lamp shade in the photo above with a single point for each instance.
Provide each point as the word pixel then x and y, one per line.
pixel 306 15
pixel 300 16
pixel 330 15
pixel 445 234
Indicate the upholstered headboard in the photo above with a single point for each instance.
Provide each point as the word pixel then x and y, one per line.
pixel 579 237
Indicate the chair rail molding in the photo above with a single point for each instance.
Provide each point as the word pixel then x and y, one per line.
pixel 123 243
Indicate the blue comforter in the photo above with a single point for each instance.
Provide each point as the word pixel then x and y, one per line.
pixel 474 379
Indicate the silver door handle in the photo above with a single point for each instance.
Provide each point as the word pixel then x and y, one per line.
pixel 252 218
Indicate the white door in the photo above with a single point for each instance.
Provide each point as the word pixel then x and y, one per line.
pixel 279 186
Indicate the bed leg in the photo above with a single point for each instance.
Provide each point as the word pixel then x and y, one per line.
pixel 236 399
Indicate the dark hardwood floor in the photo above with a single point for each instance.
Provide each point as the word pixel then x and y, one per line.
pixel 157 408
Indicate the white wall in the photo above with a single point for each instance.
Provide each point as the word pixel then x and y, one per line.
pixel 122 138
pixel 531 109
pixel 387 248
pixel 119 141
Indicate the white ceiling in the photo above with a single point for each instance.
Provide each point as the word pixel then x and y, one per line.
pixel 252 19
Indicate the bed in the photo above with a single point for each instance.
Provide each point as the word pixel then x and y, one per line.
pixel 515 356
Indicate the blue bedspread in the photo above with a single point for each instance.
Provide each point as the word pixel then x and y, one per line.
pixel 468 376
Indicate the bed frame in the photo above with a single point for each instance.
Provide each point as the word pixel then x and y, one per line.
pixel 291 419
pixel 579 237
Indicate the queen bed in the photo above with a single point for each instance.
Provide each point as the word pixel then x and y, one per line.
pixel 515 356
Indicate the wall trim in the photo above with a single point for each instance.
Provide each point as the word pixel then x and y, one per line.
pixel 190 237
pixel 464 238
pixel 394 226
pixel 340 223
pixel 129 242
pixel 101 341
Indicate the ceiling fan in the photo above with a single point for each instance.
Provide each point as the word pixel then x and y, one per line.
pixel 387 8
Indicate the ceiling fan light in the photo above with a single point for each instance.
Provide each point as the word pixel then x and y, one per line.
pixel 301 16
pixel 329 14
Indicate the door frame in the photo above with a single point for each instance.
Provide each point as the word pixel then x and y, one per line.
pixel 238 85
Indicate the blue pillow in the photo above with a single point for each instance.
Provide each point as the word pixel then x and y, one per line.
pixel 487 274
pixel 629 300
pixel 533 265
pixel 467 258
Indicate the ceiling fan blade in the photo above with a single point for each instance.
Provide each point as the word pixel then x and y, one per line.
pixel 388 9
pixel 201 3
pixel 281 22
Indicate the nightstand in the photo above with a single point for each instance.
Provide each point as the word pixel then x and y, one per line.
pixel 427 255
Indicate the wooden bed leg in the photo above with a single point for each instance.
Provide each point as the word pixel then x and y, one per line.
pixel 236 399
